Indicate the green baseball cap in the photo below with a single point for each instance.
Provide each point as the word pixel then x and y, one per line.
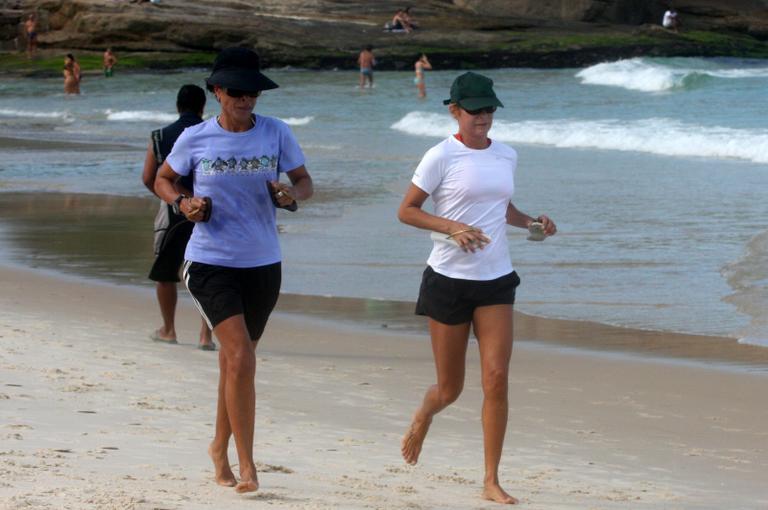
pixel 473 91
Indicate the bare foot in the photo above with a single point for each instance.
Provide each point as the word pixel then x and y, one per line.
pixel 494 492
pixel 247 484
pixel 224 475
pixel 410 446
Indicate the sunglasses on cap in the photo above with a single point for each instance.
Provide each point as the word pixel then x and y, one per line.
pixel 487 109
pixel 236 93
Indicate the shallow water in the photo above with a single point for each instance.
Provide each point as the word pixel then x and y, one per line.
pixel 654 170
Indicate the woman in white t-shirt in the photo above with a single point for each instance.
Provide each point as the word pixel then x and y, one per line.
pixel 232 261
pixel 469 281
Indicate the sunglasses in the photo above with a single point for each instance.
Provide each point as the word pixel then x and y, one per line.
pixel 235 93
pixel 487 109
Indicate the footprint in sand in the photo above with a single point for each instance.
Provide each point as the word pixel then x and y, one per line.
pixel 271 468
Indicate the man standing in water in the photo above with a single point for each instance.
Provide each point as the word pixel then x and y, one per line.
pixel 172 230
pixel 366 61
pixel 109 61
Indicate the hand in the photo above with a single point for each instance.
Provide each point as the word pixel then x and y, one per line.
pixel 468 237
pixel 550 228
pixel 193 208
pixel 283 193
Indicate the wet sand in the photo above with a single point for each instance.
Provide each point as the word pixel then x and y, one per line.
pixel 108 238
pixel 97 416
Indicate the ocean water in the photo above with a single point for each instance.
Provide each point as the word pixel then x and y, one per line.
pixel 654 170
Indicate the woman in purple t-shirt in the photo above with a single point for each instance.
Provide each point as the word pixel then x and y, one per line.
pixel 232 266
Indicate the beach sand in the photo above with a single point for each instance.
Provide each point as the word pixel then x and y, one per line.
pixel 95 415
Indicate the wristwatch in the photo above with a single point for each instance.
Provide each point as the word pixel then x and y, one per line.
pixel 176 205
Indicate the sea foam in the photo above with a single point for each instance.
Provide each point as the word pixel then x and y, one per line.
pixel 661 136
pixel 298 121
pixel 140 116
pixel 6 112
pixel 649 76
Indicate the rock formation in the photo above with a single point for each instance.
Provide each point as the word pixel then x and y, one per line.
pixel 328 33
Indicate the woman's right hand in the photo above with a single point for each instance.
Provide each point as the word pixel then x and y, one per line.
pixel 194 208
pixel 468 238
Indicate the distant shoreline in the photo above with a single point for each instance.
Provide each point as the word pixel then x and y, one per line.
pixel 543 51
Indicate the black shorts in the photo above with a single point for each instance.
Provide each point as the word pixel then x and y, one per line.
pixel 453 301
pixel 170 254
pixel 222 292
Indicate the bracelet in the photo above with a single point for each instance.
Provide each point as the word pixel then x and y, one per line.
pixel 470 229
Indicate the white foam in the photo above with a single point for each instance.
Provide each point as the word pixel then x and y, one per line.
pixel 140 116
pixel 6 112
pixel 649 76
pixel 748 340
pixel 298 121
pixel 661 136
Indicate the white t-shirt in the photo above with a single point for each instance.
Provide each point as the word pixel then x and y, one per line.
pixel 670 17
pixel 232 169
pixel 473 187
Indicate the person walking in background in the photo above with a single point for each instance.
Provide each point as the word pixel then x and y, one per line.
pixel 109 60
pixel 420 66
pixel 233 259
pixel 366 60
pixel 30 30
pixel 469 283
pixel 172 230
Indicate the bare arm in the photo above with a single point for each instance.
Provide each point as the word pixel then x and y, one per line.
pixel 150 170
pixel 167 189
pixel 411 213
pixel 301 187
pixel 518 218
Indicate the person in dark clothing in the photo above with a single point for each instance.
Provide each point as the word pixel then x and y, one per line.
pixel 172 230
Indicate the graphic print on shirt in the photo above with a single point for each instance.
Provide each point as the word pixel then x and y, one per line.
pixel 234 166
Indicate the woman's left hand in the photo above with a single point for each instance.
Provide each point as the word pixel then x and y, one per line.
pixel 283 193
pixel 550 228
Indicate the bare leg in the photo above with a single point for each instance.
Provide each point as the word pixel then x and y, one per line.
pixel 205 333
pixel 493 329
pixel 449 347
pixel 220 444
pixel 166 298
pixel 239 402
pixel 362 80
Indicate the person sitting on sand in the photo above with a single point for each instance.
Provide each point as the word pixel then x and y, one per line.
pixel 469 283
pixel 400 21
pixel 671 20
pixel 233 259
pixel 408 19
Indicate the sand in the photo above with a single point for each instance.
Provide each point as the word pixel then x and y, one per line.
pixel 94 415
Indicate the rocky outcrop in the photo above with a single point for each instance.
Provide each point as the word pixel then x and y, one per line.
pixel 328 33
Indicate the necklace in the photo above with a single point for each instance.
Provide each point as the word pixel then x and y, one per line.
pixel 218 121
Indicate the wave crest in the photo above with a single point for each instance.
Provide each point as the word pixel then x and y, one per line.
pixel 298 121
pixel 649 76
pixel 661 136
pixel 140 116
pixel 7 112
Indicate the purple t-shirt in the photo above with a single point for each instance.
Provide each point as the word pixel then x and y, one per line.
pixel 232 169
